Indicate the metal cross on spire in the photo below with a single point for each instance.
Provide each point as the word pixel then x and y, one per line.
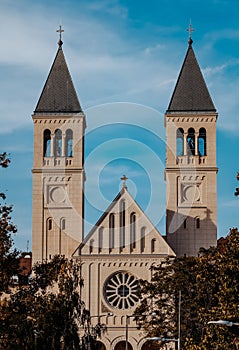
pixel 124 179
pixel 190 30
pixel 60 30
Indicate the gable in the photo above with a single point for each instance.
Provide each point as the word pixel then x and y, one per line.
pixel 124 229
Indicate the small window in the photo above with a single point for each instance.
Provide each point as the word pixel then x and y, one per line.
pixel 153 242
pixel 49 224
pixel 185 223
pixel 202 149
pixel 180 142
pixel 69 143
pixel 191 142
pixel 111 231
pixel 197 222
pixel 100 232
pixel 142 239
pixel 91 246
pixel 47 143
pixel 58 143
pixel 132 231
pixel 122 224
pixel 63 224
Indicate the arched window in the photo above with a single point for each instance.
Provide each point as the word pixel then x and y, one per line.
pixel 58 143
pixel 132 231
pixel 122 345
pixel 49 224
pixel 111 231
pixel 122 224
pixel 185 223
pixel 180 133
pixel 100 242
pixel 63 224
pixel 191 142
pixel 91 245
pixel 69 143
pixel 99 345
pixel 153 242
pixel 202 150
pixel 142 239
pixel 197 222
pixel 47 143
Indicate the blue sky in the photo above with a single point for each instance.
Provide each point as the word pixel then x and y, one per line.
pixel 124 57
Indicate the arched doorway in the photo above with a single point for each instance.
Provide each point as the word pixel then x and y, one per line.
pixel 153 345
pixel 99 345
pixel 122 346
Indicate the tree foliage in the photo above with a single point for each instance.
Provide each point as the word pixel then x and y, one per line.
pixel 209 287
pixel 4 160
pixel 49 312
pixel 9 263
pixel 237 189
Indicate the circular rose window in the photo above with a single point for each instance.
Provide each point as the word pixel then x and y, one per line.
pixel 121 290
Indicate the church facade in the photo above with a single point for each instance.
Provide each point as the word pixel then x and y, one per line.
pixel 123 245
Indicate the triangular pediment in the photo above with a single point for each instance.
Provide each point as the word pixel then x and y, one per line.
pixel 124 229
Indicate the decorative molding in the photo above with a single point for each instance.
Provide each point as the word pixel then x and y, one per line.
pixel 192 119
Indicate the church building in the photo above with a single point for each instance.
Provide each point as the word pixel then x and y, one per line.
pixel 123 245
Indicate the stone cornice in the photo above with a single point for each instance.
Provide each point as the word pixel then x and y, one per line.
pixel 62 170
pixel 210 118
pixel 192 169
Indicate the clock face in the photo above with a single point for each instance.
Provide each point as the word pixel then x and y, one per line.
pixel 120 290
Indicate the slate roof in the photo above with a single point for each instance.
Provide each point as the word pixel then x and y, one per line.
pixel 58 94
pixel 190 93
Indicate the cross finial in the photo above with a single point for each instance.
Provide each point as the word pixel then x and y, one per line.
pixel 124 179
pixel 60 30
pixel 190 30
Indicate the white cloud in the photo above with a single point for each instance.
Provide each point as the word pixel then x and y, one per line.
pixel 112 7
pixel 151 50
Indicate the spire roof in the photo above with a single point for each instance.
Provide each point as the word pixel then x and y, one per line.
pixel 190 92
pixel 58 94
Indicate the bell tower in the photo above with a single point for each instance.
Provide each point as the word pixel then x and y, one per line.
pixel 191 191
pixel 58 169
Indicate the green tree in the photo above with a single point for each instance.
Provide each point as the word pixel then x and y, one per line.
pixel 209 287
pixel 9 263
pixel 49 313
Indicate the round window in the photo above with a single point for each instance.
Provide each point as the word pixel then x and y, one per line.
pixel 121 290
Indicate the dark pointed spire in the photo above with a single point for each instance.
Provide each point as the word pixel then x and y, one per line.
pixel 190 92
pixel 58 94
